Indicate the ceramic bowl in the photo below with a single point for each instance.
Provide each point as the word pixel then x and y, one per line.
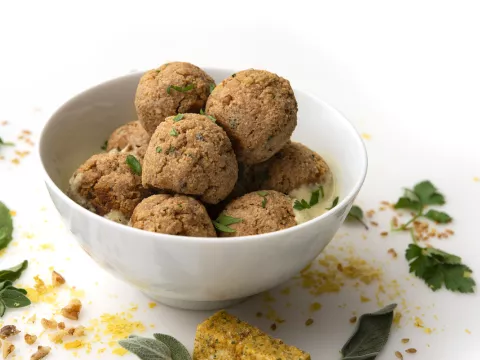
pixel 191 272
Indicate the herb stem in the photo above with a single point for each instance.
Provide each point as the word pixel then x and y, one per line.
pixel 359 220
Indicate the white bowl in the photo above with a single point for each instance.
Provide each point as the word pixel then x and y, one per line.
pixel 191 272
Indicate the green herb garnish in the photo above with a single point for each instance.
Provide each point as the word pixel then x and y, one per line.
pixel 212 118
pixel 173 132
pixel 212 87
pixel 162 347
pixel 6 226
pixel 370 336
pixel 10 296
pixel 233 75
pixel 334 203
pixel 158 149
pixel 223 221
pixel 170 150
pixel 303 204
pixel 6 143
pixel 263 194
pixel 438 268
pixel 134 164
pixel 180 88
pixel 104 146
pixel 264 202
pixel 202 112
pixel 178 117
pixel 356 213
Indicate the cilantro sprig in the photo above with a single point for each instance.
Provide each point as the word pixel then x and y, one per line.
pixel 356 213
pixel 435 267
pixel 223 221
pixel 302 204
pixel 422 195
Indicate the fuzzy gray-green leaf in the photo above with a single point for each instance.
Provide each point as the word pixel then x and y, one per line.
pixel 370 336
pixel 146 349
pixel 6 226
pixel 178 351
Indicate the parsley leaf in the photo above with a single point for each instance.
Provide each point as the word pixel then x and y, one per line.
pixel 407 203
pixel 438 216
pixel 173 132
pixel 134 164
pixel 428 194
pixel 301 205
pixel 356 213
pixel 263 194
pixel 438 268
pixel 316 195
pixel 212 87
pixel 6 143
pixel 202 112
pixel 334 203
pixel 179 88
pixel 178 117
pixel 222 222
pixel 212 118
pixel 158 149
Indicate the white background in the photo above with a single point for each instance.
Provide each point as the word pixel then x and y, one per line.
pixel 407 73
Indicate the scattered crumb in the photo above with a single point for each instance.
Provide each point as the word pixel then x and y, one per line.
pixel 392 252
pixel 57 279
pixel 151 305
pixel 476 179
pixel 15 161
pixel 119 351
pixel 309 322
pixel 48 324
pixel 13 213
pixel 76 344
pixel 366 136
pixel 315 306
pixel 370 213
pixel 72 310
pixel 273 327
pixel 353 320
pixel 364 299
pixel 373 223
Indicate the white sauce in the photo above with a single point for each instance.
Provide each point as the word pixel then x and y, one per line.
pixel 305 192
pixel 75 182
pixel 116 216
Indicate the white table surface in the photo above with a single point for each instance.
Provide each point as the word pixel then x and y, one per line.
pixel 405 73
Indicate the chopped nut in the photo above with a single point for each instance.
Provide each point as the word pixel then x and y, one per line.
pixel 41 353
pixel 8 330
pixel 57 336
pixel 309 322
pixel 353 320
pixel 30 339
pixel 8 348
pixel 57 279
pixel 411 351
pixel 49 324
pixel 61 325
pixel 72 310
pixel 71 331
pixel 392 252
pixel 399 355
pixel 79 331
pixel 405 340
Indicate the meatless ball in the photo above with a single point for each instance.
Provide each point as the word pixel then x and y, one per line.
pixel 177 87
pixel 106 185
pixel 258 111
pixel 293 166
pixel 260 212
pixel 130 138
pixel 190 154
pixel 174 215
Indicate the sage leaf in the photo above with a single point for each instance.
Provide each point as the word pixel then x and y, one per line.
pixel 178 351
pixel 2 308
pixel 13 273
pixel 14 299
pixel 6 226
pixel 146 349
pixel 370 336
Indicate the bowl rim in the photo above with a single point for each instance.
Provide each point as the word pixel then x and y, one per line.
pixel 195 239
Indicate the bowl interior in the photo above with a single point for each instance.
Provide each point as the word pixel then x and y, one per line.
pixel 81 126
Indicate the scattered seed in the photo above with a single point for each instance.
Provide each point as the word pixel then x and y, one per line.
pixel 405 340
pixel 259 314
pixel 399 355
pixel 309 322
pixel 384 233
pixel 353 320
pixel 411 351
pixel 374 223
pixel 273 327
pixel 392 252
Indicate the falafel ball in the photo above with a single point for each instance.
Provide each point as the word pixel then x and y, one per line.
pixel 190 154
pixel 174 215
pixel 176 87
pixel 130 138
pixel 106 185
pixel 260 212
pixel 258 110
pixel 290 168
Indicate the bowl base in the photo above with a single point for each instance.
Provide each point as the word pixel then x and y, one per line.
pixel 195 305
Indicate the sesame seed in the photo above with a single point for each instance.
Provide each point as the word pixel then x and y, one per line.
pixel 353 320
pixel 399 355
pixel 374 223
pixel 273 327
pixel 405 340
pixel 384 233
pixel 411 351
pixel 309 322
